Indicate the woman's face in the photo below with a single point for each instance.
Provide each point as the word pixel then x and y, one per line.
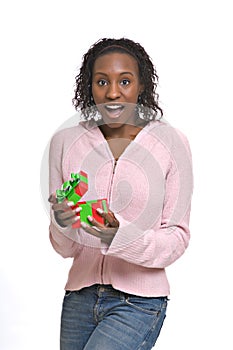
pixel 116 87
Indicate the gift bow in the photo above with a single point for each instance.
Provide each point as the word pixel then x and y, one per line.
pixel 67 187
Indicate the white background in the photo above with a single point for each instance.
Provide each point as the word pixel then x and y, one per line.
pixel 42 43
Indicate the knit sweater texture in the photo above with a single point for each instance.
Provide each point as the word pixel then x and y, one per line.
pixel 149 189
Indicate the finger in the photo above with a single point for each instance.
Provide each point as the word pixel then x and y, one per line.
pixel 99 231
pixel 64 206
pixel 52 199
pixel 109 217
pixel 94 231
pixel 70 222
pixel 103 228
pixel 106 234
pixel 63 215
pixel 95 223
pixel 66 222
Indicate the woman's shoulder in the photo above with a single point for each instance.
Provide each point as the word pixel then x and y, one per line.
pixel 69 133
pixel 163 126
pixel 168 134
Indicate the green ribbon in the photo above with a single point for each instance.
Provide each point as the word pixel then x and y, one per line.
pixel 67 187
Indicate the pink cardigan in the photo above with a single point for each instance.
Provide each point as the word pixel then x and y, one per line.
pixel 149 189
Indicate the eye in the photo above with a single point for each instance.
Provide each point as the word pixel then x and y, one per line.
pixel 102 82
pixel 125 82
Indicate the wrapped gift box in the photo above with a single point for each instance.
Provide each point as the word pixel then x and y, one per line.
pixel 90 208
pixel 73 190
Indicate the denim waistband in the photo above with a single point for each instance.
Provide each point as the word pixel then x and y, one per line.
pixel 101 289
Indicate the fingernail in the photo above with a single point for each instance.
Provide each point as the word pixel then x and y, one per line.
pixel 100 211
pixel 84 225
pixel 90 218
pixel 78 209
pixel 70 204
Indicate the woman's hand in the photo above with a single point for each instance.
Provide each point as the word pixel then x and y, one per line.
pixel 105 232
pixel 63 213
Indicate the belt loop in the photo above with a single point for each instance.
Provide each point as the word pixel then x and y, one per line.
pixel 123 296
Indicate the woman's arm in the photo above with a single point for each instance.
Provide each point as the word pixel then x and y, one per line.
pixel 160 247
pixel 61 236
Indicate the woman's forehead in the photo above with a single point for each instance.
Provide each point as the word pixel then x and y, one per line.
pixel 115 60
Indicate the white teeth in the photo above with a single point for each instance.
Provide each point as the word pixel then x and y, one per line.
pixel 113 107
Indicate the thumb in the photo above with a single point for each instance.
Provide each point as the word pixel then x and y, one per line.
pixel 52 199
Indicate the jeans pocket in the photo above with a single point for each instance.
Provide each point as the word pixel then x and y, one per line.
pixel 152 306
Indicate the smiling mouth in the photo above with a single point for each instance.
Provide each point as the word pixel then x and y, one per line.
pixel 114 110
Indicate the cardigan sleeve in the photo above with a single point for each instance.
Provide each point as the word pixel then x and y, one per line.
pixel 63 245
pixel 159 247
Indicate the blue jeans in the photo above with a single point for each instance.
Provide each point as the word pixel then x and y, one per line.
pixel 102 318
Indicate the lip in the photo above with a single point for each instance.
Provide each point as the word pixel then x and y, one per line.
pixel 114 110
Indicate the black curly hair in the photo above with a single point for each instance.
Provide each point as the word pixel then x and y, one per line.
pixel 148 103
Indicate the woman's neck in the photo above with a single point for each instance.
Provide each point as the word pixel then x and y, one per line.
pixel 125 131
pixel 119 138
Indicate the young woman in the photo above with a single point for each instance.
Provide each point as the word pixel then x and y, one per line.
pixel 117 290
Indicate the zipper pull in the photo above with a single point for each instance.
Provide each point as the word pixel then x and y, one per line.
pixel 114 166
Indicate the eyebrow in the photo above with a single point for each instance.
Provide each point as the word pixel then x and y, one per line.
pixel 122 73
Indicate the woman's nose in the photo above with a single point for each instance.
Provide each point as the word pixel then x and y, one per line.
pixel 113 91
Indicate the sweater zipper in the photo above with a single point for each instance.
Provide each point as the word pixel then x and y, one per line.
pixel 109 196
pixel 111 182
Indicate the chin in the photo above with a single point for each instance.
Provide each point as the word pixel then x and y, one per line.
pixel 113 125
